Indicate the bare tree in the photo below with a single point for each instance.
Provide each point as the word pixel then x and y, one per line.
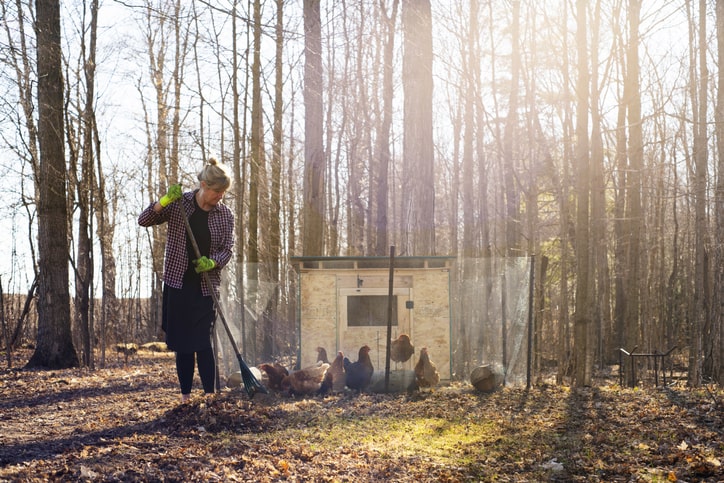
pixel 699 107
pixel 275 228
pixel 314 172
pixel 633 214
pixel 382 148
pixel 509 163
pixel 582 347
pixel 336 128
pixel 357 122
pixel 83 147
pixel 257 176
pixel 599 247
pixel 718 299
pixel 54 347
pixel 563 348
pixel 418 187
pixel 619 226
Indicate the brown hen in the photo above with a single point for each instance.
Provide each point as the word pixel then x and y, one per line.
pixel 426 373
pixel 337 374
pixel 276 373
pixel 307 380
pixel 322 354
pixel 401 348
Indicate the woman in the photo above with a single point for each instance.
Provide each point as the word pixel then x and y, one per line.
pixel 188 308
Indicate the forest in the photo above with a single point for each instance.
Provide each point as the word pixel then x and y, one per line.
pixel 584 138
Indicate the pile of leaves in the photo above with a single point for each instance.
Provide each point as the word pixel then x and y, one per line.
pixel 126 423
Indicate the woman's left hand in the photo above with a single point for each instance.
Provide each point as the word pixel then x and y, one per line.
pixel 204 264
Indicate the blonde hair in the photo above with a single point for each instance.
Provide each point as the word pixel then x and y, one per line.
pixel 215 175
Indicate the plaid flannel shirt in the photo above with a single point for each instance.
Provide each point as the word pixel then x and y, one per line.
pixel 221 226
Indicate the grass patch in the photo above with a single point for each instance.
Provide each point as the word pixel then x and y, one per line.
pixel 446 441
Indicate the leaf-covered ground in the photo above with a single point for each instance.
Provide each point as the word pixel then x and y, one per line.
pixel 126 423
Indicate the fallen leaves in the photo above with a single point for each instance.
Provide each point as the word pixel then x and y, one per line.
pixel 125 424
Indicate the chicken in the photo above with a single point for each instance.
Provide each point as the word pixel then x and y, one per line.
pixel 322 355
pixel 425 371
pixel 337 373
pixel 327 382
pixel 276 373
pixel 401 348
pixel 359 373
pixel 307 380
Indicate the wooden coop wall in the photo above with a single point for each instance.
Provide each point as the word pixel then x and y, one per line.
pixel 323 314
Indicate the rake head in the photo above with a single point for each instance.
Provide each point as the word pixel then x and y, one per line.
pixel 251 383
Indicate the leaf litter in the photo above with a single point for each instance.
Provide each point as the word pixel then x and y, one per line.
pixel 126 423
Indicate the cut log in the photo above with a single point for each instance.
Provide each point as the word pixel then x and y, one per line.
pixel 485 378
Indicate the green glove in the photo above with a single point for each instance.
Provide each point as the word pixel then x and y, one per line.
pixel 174 193
pixel 204 264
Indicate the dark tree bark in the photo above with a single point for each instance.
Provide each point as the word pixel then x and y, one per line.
pixel 54 349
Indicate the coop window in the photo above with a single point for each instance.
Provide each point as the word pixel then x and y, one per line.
pixel 369 310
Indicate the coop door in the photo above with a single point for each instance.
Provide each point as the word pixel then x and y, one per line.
pixel 363 320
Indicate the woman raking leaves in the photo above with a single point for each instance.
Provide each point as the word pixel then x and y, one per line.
pixel 191 280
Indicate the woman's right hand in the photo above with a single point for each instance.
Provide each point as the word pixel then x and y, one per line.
pixel 174 193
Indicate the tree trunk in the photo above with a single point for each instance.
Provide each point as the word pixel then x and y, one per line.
pixel 619 226
pixel 468 175
pixel 701 230
pixel 382 149
pixel 268 348
pixel 54 348
pixel 511 193
pixel 418 187
pixel 563 352
pixel 314 167
pixel 599 250
pixel 718 299
pixel 86 192
pixel 582 345
pixel 356 153
pixel 634 209
pixel 257 167
pixel 333 157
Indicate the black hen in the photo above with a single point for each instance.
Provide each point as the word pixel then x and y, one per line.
pixel 359 373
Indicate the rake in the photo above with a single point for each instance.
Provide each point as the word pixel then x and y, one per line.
pixel 251 383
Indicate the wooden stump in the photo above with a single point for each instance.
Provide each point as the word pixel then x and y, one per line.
pixel 485 379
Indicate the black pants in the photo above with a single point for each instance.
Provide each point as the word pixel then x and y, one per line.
pixel 207 370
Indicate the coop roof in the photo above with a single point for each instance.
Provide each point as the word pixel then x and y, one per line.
pixel 377 262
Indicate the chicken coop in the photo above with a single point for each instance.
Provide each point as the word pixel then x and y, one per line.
pixel 344 303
